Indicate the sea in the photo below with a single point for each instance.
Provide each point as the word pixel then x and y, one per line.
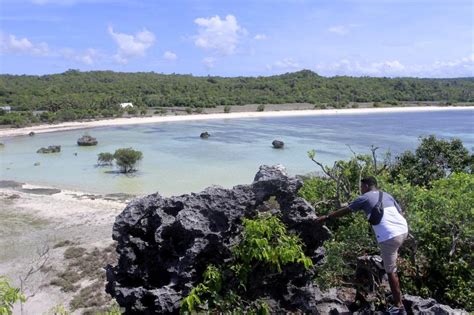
pixel 177 161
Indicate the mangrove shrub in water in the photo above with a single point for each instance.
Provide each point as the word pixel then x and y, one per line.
pixel 127 158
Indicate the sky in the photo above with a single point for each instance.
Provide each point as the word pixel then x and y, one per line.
pixel 392 38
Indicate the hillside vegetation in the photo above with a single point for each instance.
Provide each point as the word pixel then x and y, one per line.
pixel 99 90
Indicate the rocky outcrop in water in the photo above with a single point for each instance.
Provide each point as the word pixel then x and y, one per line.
pixel 50 149
pixel 165 244
pixel 205 135
pixel 86 140
pixel 277 144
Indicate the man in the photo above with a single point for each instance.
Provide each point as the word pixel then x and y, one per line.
pixel 391 232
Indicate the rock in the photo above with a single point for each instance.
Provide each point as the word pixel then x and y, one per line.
pixel 50 149
pixel 37 164
pixel 165 244
pixel 31 134
pixel 205 135
pixel 418 305
pixel 277 144
pixel 86 140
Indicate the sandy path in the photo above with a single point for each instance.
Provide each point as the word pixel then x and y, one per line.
pixel 31 220
pixel 158 119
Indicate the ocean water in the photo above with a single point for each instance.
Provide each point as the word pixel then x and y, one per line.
pixel 177 161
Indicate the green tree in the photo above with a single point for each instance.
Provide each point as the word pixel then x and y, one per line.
pixel 127 158
pixel 8 296
pixel 433 159
pixel 105 158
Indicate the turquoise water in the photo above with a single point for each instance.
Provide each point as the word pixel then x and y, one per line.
pixel 177 161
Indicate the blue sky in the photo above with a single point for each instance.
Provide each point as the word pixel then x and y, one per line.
pixel 421 38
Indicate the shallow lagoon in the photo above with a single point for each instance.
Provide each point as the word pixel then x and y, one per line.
pixel 177 161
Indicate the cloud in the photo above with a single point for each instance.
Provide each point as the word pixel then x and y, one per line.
pixel 168 55
pixel 11 44
pixel 218 35
pixel 209 62
pixel 339 29
pixel 285 64
pixel 342 29
pixel 394 68
pixel 131 46
pixel 260 37
pixel 89 57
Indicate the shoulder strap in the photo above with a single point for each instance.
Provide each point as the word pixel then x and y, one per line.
pixel 380 196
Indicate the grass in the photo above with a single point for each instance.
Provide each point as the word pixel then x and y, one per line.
pixel 82 266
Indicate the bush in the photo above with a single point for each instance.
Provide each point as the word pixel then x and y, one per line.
pixel 439 216
pixel 433 159
pixel 189 110
pixel 261 108
pixel 105 158
pixel 227 109
pixel 127 158
pixel 8 296
pixel 266 244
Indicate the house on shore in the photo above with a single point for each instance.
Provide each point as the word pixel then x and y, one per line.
pixel 126 105
pixel 6 108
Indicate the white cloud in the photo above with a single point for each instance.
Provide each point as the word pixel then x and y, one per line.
pixel 339 29
pixel 11 44
pixel 168 55
pixel 285 64
pixel 209 62
pixel 394 68
pixel 130 46
pixel 89 57
pixel 218 35
pixel 260 37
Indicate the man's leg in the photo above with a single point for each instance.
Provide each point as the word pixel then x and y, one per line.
pixel 395 288
pixel 389 253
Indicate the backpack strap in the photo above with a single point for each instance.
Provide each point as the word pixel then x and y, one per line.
pixel 380 196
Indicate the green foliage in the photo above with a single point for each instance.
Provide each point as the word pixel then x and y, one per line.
pixel 189 110
pixel 127 158
pixel 105 158
pixel 440 216
pixel 433 159
pixel 8 296
pixel 265 242
pixel 227 109
pixel 260 108
pixel 441 221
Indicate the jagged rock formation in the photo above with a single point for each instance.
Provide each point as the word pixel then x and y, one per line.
pixel 50 149
pixel 278 144
pixel 86 140
pixel 165 244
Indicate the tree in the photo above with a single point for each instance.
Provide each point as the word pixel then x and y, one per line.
pixel 433 159
pixel 127 158
pixel 8 296
pixel 105 158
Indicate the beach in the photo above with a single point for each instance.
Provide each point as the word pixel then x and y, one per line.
pixel 11 132
pixel 34 218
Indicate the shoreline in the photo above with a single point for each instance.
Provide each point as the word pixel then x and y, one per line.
pixel 12 132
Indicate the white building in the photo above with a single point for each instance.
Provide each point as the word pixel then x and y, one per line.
pixel 6 108
pixel 125 105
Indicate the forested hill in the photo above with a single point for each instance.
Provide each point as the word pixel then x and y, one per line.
pixel 98 88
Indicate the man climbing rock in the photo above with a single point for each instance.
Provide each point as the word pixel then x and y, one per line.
pixel 389 226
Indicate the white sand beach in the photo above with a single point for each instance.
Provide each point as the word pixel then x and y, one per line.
pixel 10 132
pixel 34 217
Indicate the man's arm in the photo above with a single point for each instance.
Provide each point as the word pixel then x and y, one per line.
pixel 336 214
